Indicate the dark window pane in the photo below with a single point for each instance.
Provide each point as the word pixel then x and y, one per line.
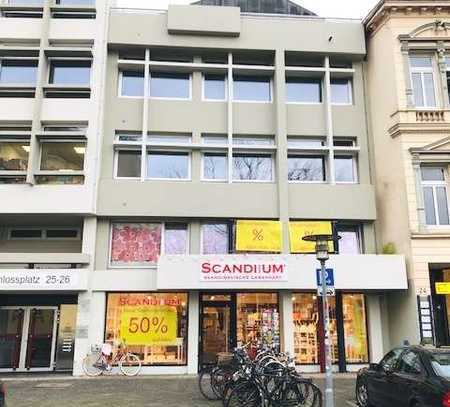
pixel 214 87
pixel 62 233
pixel 76 2
pixel 215 239
pixel 306 168
pixel 430 214
pixel 132 83
pixel 344 169
pixel 170 85
pixel 432 174
pixel 251 88
pixel 252 167
pixel 168 165
pixel 14 156
pixel 62 156
pixel 18 72
pixel 441 198
pixel 129 164
pixel 215 166
pixel 60 179
pixel 70 73
pixel 303 90
pixel 340 91
pixel 26 233
pixel 5 180
pixel 410 364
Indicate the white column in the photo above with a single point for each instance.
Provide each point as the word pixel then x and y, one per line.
pixel 193 332
pixel 287 322
pixel 375 327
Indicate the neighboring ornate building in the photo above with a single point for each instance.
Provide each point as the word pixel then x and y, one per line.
pixel 407 74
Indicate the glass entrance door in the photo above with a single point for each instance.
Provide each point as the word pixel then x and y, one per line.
pixel 27 338
pixel 11 327
pixel 218 327
pixel 41 333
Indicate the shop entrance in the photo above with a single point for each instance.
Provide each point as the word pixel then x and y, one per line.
pixel 441 307
pixel 228 320
pixel 27 338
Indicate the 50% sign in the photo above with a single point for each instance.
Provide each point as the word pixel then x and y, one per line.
pixel 149 326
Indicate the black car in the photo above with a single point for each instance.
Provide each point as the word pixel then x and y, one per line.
pixel 412 376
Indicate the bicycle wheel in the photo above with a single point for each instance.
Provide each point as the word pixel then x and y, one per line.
pixel 130 364
pixel 301 393
pixel 246 394
pixel 219 379
pixel 205 385
pixel 93 365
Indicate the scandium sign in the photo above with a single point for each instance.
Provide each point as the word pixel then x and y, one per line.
pixel 223 271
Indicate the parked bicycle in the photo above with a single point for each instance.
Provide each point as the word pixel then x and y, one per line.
pixel 102 359
pixel 269 379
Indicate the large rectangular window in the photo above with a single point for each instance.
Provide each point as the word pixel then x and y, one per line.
pixel 170 85
pixel 168 165
pixel 355 328
pixel 258 319
pixel 154 326
pixel 422 78
pixel 306 168
pixel 341 91
pixel 214 87
pixel 132 84
pixel 252 167
pixel 135 244
pixel 18 72
pixel 14 155
pixel 252 88
pixel 215 238
pixel 129 164
pixel 306 320
pixel 70 73
pixel 215 166
pixel 62 163
pixel 345 168
pixel 434 186
pixel 301 90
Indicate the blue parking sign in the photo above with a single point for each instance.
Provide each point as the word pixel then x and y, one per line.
pixel 329 279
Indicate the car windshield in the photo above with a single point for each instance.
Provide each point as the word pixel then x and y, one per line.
pixel 441 364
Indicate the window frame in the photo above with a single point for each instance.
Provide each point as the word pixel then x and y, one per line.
pixel 352 227
pixel 305 154
pixel 120 85
pixel 44 233
pixel 68 61
pixel 204 98
pixel 16 173
pixel 254 153
pixel 19 59
pixel 230 237
pixel 110 264
pixel 354 166
pixel 167 152
pixel 202 174
pixel 188 99
pixel 422 71
pixel 434 185
pixel 234 100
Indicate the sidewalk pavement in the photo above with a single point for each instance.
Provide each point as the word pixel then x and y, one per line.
pixel 120 391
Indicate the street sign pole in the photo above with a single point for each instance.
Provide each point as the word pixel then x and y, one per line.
pixel 329 396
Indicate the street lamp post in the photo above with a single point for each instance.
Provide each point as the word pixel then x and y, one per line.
pixel 322 255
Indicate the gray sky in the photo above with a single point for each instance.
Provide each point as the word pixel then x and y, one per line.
pixel 324 8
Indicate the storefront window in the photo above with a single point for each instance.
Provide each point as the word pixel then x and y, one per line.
pixel 153 326
pixel 306 320
pixel 137 244
pixel 258 318
pixel 355 330
pixel 175 238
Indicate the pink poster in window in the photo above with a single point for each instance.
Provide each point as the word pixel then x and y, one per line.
pixel 135 243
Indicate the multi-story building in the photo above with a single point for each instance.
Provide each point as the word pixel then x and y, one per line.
pixel 407 78
pixel 223 138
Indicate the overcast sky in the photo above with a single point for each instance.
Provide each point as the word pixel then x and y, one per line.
pixel 324 8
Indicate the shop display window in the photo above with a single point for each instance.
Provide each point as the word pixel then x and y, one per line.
pixel 152 325
pixel 135 243
pixel 355 328
pixel 306 320
pixel 175 238
pixel 258 318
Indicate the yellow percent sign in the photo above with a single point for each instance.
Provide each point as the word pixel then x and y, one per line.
pixel 149 325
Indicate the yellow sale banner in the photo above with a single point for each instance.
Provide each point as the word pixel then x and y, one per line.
pixel 258 236
pixel 149 325
pixel 297 230
pixel 442 288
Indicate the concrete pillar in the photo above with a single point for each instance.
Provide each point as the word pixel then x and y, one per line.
pixel 193 332
pixel 375 328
